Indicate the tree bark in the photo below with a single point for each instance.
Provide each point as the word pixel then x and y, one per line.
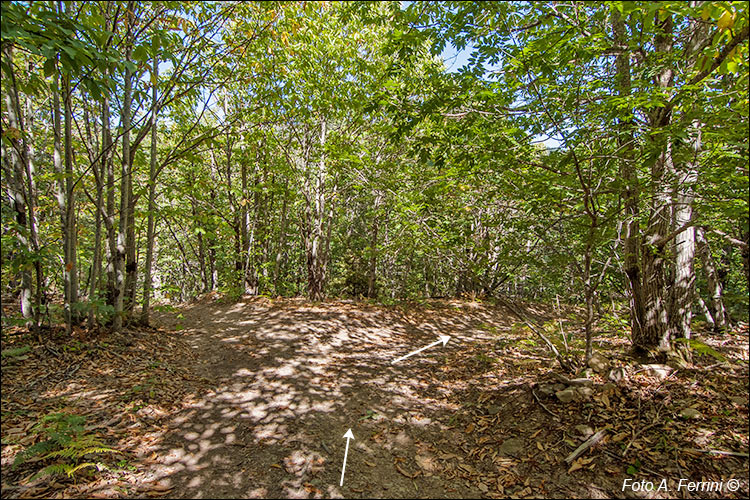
pixel 151 199
pixel 316 215
pixel 16 186
pixel 715 290
pixel 655 264
pixel 684 279
pixel 98 169
pixel 631 192
pixel 125 185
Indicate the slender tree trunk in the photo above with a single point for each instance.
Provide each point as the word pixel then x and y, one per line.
pixel 315 241
pixel 373 265
pixel 98 170
pixel 281 241
pixel 715 291
pixel 16 185
pixel 71 249
pixel 28 125
pixel 62 201
pixel 151 200
pixel 124 190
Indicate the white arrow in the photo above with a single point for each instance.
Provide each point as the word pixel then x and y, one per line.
pixel 443 338
pixel 348 436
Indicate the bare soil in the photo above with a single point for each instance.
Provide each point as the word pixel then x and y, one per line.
pixel 252 400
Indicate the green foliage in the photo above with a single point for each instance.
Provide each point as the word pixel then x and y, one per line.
pixel 66 440
pixel 634 468
pixel 701 348
pixel 15 352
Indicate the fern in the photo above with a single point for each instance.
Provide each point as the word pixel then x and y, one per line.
pixel 702 348
pixel 67 441
pixel 40 448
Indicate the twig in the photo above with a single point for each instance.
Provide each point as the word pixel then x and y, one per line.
pixel 635 436
pixel 718 452
pixel 586 445
pixel 542 404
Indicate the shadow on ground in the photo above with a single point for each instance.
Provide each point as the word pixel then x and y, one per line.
pixel 290 378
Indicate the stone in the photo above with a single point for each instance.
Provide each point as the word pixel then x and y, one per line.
pixel 739 400
pixel 609 388
pixel 511 447
pixel 598 363
pixel 659 371
pixel 581 381
pixel 585 392
pixel 690 413
pixel 617 374
pixel 559 387
pixel 493 409
pixel 584 430
pixel 567 395
pixel 547 390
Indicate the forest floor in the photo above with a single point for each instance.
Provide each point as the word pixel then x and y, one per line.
pixel 252 399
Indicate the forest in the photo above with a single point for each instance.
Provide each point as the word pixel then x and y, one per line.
pixel 234 231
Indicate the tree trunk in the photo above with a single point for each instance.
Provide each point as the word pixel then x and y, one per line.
pixel 314 242
pixel 16 186
pixel 373 265
pixel 98 169
pixel 684 279
pixel 151 200
pixel 281 242
pixel 71 250
pixel 125 190
pixel 631 194
pixel 655 264
pixel 715 291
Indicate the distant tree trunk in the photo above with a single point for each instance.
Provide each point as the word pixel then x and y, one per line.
pixel 62 200
pixel 151 200
pixel 314 242
pixel 244 227
pixel 281 241
pixel 19 197
pixel 373 265
pixel 746 257
pixel 97 167
pixel 71 248
pixel 715 291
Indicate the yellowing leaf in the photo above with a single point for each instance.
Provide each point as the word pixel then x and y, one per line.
pixel 576 465
pixel 725 21
pixel 706 13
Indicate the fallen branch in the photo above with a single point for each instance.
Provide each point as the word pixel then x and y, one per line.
pixel 563 363
pixel 586 445
pixel 575 381
pixel 542 404
pixel 718 452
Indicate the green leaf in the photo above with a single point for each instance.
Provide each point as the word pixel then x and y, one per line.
pixel 49 67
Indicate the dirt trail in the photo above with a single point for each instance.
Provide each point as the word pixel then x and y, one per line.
pixel 287 383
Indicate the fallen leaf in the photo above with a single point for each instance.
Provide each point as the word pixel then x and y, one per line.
pixel 410 476
pixel 469 429
pixel 576 465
